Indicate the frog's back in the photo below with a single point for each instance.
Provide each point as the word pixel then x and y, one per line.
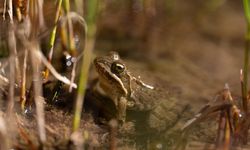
pixel 164 107
pixel 166 113
pixel 165 117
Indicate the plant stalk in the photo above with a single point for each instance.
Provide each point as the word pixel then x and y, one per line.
pixel 53 37
pixel 89 46
pixel 246 4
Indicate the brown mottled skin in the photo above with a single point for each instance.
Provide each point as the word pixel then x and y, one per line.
pixel 130 93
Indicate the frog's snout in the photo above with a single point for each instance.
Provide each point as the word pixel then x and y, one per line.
pixel 97 62
pixel 100 64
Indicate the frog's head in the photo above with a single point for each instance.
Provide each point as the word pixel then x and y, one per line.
pixel 113 75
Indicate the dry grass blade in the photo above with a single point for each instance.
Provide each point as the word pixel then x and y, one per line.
pixel 67 32
pixel 53 37
pixel 37 82
pixel 4 9
pixel 32 44
pixel 12 49
pixel 40 15
pixel 68 38
pixel 12 46
pixel 4 145
pixel 53 71
pixel 23 84
pixel 4 80
pixel 73 75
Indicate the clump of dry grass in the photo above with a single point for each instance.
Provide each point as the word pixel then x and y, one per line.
pixel 24 41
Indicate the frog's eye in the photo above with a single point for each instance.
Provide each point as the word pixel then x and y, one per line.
pixel 117 68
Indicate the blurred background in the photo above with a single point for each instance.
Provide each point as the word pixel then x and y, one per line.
pixel 196 45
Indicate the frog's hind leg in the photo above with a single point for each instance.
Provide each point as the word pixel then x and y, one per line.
pixel 165 114
pixel 167 119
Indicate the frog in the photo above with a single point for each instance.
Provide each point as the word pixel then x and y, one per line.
pixel 166 115
pixel 130 93
pixel 161 115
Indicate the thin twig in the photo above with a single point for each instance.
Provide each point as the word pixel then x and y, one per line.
pixel 87 52
pixel 73 75
pixel 53 71
pixel 53 36
pixel 82 83
pixel 39 101
pixel 23 85
pixel 12 48
pixel 4 80
pixel 40 15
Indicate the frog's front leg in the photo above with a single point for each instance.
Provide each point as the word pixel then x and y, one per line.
pixel 121 109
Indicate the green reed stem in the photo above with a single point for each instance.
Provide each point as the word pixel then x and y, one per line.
pixel 53 37
pixel 70 32
pixel 53 34
pixel 246 4
pixel 89 46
